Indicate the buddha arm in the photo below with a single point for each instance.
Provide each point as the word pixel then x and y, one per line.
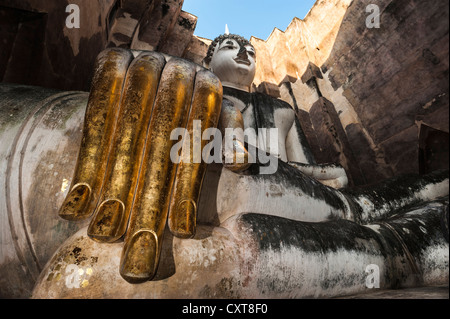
pixel 235 156
pixel 300 156
pixel 332 175
pixel 297 146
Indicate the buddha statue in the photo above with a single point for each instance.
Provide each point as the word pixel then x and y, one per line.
pixel 124 177
pixel 283 226
pixel 284 192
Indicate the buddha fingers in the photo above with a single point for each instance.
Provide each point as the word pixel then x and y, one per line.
pixel 111 216
pixel 142 246
pixel 205 111
pixel 98 129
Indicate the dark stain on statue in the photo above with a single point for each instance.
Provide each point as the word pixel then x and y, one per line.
pixel 292 179
pixel 401 241
pixel 273 233
pixel 383 194
pixel 445 222
pixel 165 9
pixel 344 280
pixel 63 109
pixel 185 23
pixel 227 287
pixel 76 254
pixel 15 113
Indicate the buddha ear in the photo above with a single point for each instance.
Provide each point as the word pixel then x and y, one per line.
pixel 206 62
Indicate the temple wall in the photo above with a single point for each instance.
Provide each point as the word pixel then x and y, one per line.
pixel 310 39
pixel 388 85
pixel 39 49
pixel 394 80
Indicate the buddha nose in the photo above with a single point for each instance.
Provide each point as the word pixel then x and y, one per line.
pixel 242 54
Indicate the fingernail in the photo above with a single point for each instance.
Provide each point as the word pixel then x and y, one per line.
pixel 139 257
pixel 105 225
pixel 76 203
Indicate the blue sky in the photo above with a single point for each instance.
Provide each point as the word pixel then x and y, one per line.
pixel 245 17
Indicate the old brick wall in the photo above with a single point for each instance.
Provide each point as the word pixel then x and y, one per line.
pixel 395 78
pixel 387 84
pixel 38 48
pixel 287 53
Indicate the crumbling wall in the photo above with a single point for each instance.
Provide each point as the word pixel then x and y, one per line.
pixel 395 79
pixel 388 85
pixel 41 50
pixel 287 53
pixel 38 48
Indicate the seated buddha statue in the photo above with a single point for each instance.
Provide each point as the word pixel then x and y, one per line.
pixel 284 192
pixel 284 226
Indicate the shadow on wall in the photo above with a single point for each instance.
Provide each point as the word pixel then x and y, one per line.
pixel 395 78
pixel 43 46
pixel 40 49
pixel 367 104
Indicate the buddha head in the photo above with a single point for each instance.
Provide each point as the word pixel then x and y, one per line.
pixel 232 58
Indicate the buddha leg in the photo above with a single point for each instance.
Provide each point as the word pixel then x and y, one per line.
pixel 111 216
pixel 393 196
pixel 206 105
pixel 140 254
pixel 99 123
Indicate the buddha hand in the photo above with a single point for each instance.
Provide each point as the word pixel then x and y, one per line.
pixel 125 176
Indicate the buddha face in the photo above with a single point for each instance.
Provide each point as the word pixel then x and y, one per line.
pixel 234 64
